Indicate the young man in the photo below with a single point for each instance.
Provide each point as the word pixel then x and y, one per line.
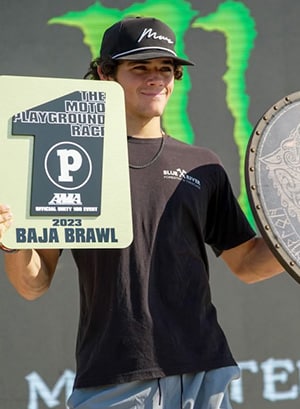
pixel 148 335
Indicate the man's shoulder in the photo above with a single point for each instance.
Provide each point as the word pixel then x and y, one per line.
pixel 200 153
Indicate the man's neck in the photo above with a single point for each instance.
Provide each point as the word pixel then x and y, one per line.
pixel 151 129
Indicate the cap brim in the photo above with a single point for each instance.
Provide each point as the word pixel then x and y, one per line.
pixel 148 55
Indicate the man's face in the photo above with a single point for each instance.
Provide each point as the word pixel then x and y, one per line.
pixel 147 86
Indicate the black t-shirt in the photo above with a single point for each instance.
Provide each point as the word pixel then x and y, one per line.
pixel 146 310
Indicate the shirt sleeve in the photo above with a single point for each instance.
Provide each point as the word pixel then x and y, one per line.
pixel 227 225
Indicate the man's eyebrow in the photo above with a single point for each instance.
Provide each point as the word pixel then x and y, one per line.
pixel 165 61
pixel 132 62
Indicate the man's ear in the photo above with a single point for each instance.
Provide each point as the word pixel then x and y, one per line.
pixel 100 73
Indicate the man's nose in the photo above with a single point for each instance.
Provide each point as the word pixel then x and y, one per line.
pixel 155 77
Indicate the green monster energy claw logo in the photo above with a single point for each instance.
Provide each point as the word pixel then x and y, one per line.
pixel 232 19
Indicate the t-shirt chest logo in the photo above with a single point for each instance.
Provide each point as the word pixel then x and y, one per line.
pixel 181 175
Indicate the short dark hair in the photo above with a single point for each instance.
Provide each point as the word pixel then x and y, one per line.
pixel 109 68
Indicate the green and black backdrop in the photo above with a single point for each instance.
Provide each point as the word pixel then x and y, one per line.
pixel 247 58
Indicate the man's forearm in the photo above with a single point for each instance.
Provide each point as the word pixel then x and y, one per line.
pixel 28 273
pixel 261 262
pixel 252 261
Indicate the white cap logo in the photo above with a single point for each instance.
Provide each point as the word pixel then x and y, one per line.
pixel 153 34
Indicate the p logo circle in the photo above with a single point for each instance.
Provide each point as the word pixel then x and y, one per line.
pixel 68 165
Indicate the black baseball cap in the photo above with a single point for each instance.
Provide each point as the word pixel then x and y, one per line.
pixel 140 38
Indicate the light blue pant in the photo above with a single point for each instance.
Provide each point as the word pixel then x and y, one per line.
pixel 204 390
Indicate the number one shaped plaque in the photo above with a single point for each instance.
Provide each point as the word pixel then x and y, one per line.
pixel 64 163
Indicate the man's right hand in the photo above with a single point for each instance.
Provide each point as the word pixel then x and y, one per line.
pixel 6 219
